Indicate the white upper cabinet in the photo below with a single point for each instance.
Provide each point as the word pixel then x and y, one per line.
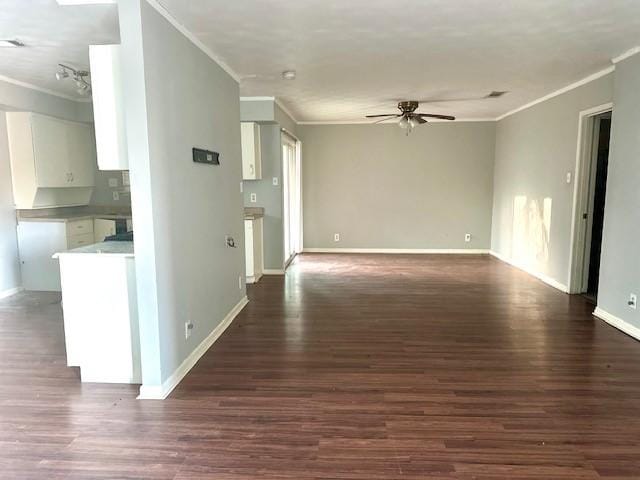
pixel 251 157
pixel 108 107
pixel 52 161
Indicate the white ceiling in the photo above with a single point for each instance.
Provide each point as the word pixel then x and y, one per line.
pixel 52 34
pixel 355 57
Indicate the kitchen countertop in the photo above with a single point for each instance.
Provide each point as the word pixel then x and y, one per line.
pixel 251 213
pixel 72 217
pixel 123 249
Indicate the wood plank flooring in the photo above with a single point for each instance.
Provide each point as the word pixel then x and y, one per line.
pixel 358 367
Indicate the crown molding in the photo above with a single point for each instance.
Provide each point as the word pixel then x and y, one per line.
pixel 31 86
pixel 629 53
pixel 560 91
pixel 184 31
pixel 257 99
pixel 286 110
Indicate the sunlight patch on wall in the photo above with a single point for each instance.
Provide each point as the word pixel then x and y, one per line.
pixel 531 231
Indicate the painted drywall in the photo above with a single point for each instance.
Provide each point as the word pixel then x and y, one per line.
pixel 269 196
pixel 378 188
pixel 9 264
pixel 182 210
pixel 532 201
pixel 620 263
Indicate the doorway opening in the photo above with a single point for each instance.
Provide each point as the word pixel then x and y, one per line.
pixel 292 193
pixel 591 185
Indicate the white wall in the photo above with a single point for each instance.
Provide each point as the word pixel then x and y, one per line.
pixel 379 188
pixel 9 266
pixel 620 264
pixel 178 98
pixel 532 202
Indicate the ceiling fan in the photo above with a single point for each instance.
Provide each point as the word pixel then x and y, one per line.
pixel 409 118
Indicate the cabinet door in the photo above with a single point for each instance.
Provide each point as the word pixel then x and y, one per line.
pixel 251 158
pixel 51 151
pixel 81 158
pixel 37 242
pixel 103 228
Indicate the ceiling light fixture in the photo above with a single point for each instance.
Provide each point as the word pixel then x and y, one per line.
pixel 289 74
pixel 80 77
pixel 11 43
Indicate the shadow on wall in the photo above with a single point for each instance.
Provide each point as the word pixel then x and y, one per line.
pixel 531 232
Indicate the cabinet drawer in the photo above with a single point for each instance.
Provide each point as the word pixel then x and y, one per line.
pixel 79 227
pixel 76 241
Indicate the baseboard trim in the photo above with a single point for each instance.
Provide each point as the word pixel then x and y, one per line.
pixel 272 271
pixel 451 251
pixel 10 292
pixel 160 392
pixel 617 322
pixel 540 276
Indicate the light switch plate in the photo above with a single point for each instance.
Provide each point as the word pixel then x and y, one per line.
pixel 125 178
pixel 275 181
pixel 116 196
pixel 254 198
pixel 113 182
pixel 568 177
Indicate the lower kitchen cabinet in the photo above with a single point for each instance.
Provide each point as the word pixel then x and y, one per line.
pixel 38 241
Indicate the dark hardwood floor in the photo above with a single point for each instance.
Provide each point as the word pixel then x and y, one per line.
pixel 358 367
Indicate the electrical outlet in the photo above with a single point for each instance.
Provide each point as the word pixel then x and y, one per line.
pixel 568 177
pixel 125 178
pixel 188 328
pixel 467 237
pixel 113 182
pixel 240 282
pixel 275 181
pixel 336 237
pixel 116 196
pixel 633 301
pixel 253 197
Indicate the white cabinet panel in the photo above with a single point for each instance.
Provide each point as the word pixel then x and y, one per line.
pixel 81 154
pixel 52 160
pixel 37 242
pixel 251 151
pixel 51 151
pixel 108 107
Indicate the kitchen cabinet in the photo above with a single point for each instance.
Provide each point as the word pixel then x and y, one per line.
pixel 108 107
pixel 52 161
pixel 39 240
pixel 251 153
pixel 253 249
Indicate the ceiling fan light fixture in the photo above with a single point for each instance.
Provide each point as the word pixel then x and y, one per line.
pixel 405 123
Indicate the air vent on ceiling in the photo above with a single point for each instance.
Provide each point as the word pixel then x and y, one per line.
pixel 495 94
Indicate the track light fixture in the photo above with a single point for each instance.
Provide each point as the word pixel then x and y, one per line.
pixel 80 77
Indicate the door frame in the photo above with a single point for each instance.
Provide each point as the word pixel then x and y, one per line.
pixel 295 142
pixel 587 122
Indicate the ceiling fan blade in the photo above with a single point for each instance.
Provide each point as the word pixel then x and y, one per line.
pixel 387 118
pixel 418 119
pixel 432 115
pixel 384 115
